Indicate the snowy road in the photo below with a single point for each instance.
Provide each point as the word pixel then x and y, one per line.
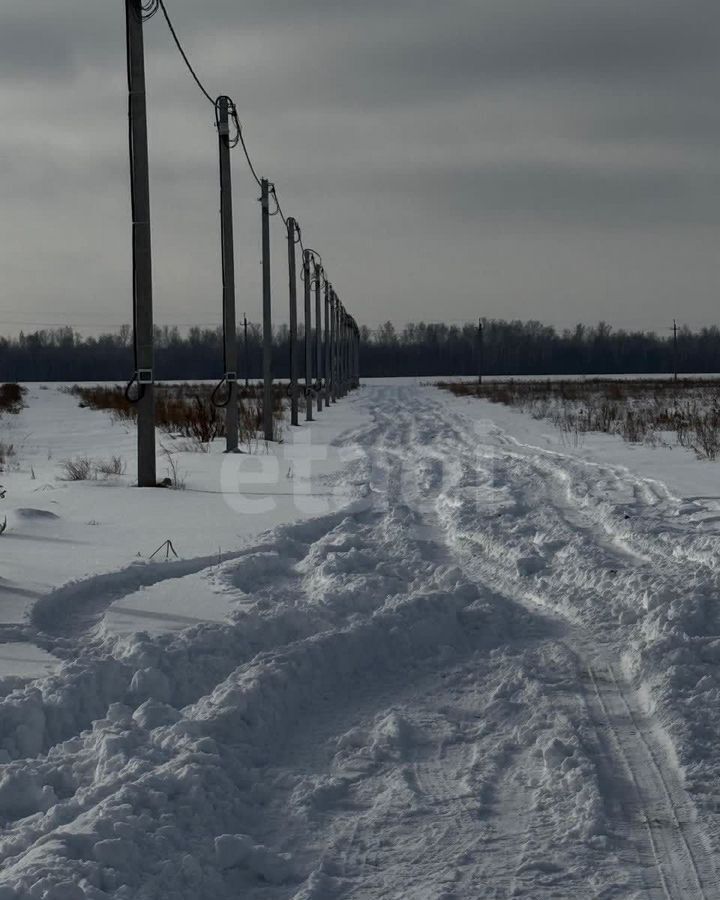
pixel 493 675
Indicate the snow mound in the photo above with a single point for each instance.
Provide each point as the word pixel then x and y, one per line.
pixel 27 512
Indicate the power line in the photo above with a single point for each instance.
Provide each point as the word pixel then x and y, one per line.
pixel 196 78
pixel 149 10
pixel 182 52
pixel 247 155
pixel 278 208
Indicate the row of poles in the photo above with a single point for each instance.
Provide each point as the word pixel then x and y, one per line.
pixel 331 363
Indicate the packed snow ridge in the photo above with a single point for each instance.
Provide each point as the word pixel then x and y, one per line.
pixel 491 671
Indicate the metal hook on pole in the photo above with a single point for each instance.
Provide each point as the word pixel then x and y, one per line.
pixel 222 404
pixel 128 389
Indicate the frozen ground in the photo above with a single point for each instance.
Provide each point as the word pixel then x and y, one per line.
pixel 458 661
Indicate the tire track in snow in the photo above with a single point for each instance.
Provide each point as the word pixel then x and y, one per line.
pixel 685 869
pixel 692 869
pixel 399 435
pixel 72 610
pixel 268 698
pixel 387 822
pixel 672 857
pixel 651 502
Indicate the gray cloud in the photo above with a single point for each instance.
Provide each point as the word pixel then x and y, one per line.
pixel 501 156
pixel 557 194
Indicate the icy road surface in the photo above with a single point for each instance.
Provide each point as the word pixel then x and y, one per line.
pixel 495 674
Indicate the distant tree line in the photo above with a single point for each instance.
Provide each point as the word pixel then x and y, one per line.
pixel 508 348
pixel 532 348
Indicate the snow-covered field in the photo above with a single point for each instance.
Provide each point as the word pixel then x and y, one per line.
pixel 420 650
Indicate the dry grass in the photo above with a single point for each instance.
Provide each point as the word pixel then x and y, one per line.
pixel 79 468
pixel 110 467
pixel 7 452
pixel 638 410
pixel 186 410
pixel 11 401
pixel 83 468
pixel 11 398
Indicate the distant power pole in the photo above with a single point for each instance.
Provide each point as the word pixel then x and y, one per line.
pixel 326 346
pixel 675 352
pixel 333 373
pixel 292 273
pixel 228 279
pixel 357 355
pixel 267 313
pixel 317 271
pixel 334 303
pixel 141 247
pixel 480 351
pixel 348 356
pixel 308 337
pixel 346 348
pixel 341 350
pixel 247 358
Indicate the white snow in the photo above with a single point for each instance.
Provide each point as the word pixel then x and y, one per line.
pixel 447 658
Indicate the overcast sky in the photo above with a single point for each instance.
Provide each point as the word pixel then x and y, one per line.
pixel 549 159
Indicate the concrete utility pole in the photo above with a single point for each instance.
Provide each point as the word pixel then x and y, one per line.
pixel 326 346
pixel 346 351
pixel 351 352
pixel 267 313
pixel 353 384
pixel 675 353
pixel 480 361
pixel 141 247
pixel 340 341
pixel 228 278
pixel 247 357
pixel 317 274
pixel 341 336
pixel 338 346
pixel 343 352
pixel 333 347
pixel 357 356
pixel 308 337
pixel 293 322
